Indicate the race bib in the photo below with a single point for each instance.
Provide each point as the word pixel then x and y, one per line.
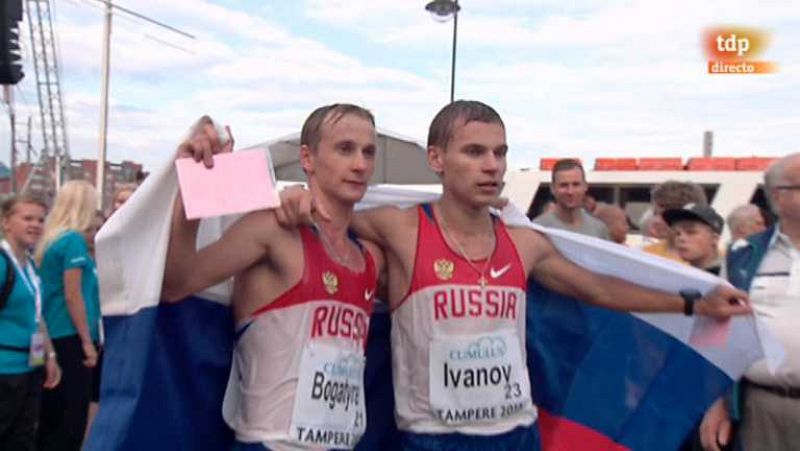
pixel 478 378
pixel 36 353
pixel 329 407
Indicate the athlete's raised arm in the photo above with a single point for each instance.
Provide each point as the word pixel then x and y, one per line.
pixel 188 270
pixel 545 264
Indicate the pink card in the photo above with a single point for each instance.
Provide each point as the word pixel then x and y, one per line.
pixel 239 182
pixel 710 332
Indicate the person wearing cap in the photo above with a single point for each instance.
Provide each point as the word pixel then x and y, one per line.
pixel 670 195
pixel 697 228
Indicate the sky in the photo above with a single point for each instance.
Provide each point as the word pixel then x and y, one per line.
pixel 588 78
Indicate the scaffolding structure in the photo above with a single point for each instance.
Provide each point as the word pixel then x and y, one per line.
pixel 54 155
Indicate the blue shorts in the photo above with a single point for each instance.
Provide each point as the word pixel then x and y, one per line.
pixel 523 438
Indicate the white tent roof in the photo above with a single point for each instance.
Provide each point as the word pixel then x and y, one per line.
pixel 399 160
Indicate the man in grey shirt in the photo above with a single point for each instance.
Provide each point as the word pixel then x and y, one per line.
pixel 568 185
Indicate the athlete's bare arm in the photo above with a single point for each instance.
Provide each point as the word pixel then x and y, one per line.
pixel 544 263
pixel 384 226
pixel 188 270
pixel 395 231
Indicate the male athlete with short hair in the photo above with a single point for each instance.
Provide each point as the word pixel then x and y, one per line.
pixel 457 279
pixel 302 297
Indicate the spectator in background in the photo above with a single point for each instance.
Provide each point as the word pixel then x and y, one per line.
pixel 121 195
pixel 24 344
pixel 589 203
pixel 765 265
pixel 548 207
pixel 71 309
pixel 653 228
pixel 616 221
pixel 99 220
pixel 140 176
pixel 672 195
pixel 537 209
pixel 97 371
pixel 745 220
pixel 696 229
pixel 568 186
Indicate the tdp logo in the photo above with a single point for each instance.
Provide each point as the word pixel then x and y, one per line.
pixel 733 44
pixel 731 50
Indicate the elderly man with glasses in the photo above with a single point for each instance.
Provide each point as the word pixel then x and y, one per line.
pixel 768 266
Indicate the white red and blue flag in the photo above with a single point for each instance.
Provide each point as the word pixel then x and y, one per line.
pixel 601 379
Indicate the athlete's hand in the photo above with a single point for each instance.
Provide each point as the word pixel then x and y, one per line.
pixel 299 207
pixel 204 142
pixel 723 303
pixel 715 430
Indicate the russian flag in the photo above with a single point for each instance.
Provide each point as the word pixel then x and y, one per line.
pixel 613 380
pixel 165 365
pixel 602 379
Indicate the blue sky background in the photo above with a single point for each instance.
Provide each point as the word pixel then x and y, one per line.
pixel 590 78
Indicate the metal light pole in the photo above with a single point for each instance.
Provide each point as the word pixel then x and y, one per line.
pixel 100 184
pixel 106 68
pixel 442 11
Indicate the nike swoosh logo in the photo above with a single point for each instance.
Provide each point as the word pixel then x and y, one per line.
pixel 495 273
pixel 368 294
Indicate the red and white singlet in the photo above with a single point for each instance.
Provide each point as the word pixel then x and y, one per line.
pixel 297 376
pixel 458 349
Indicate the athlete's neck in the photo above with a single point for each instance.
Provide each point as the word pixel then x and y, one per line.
pixel 340 214
pixel 464 220
pixel 333 231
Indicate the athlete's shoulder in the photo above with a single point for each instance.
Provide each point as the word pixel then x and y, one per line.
pixel 263 226
pixel 531 244
pixel 522 231
pixel 385 224
pixel 526 239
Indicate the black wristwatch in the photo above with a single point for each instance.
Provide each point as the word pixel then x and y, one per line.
pixel 689 298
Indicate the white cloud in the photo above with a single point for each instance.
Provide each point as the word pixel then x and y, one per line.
pixel 590 78
pixel 486 23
